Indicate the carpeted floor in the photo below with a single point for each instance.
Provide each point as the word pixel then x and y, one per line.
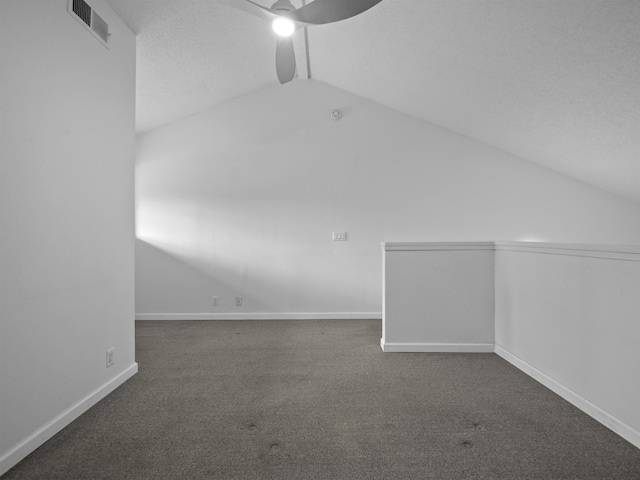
pixel 319 400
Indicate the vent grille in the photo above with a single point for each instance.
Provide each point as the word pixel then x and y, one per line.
pixel 82 10
pixel 88 17
pixel 100 27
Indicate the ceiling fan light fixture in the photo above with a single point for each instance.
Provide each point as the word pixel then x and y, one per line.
pixel 283 26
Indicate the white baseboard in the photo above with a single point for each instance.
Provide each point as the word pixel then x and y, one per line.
pixel 261 316
pixel 33 441
pixel 437 347
pixel 616 425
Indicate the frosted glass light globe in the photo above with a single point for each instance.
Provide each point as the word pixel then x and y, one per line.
pixel 283 27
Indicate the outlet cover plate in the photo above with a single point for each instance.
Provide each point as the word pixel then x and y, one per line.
pixel 111 356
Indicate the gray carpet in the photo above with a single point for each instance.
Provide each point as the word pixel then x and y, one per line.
pixel 319 400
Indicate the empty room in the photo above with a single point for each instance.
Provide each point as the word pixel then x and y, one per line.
pixel 319 239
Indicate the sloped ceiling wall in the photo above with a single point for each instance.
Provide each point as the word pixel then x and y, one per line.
pixel 242 199
pixel 552 82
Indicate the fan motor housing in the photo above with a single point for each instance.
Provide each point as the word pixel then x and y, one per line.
pixel 283 6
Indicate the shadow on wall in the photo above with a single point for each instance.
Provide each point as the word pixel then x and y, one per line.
pixel 180 282
pixel 157 270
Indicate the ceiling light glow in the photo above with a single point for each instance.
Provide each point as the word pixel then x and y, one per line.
pixel 283 26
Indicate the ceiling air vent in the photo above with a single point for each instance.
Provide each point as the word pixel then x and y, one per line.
pixel 82 10
pixel 93 22
pixel 100 27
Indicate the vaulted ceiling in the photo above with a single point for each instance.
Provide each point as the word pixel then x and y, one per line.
pixel 556 82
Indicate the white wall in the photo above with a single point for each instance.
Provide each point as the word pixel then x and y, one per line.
pixel 438 297
pixel 569 315
pixel 242 199
pixel 66 216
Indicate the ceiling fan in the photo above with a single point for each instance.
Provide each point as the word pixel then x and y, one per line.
pixel 286 19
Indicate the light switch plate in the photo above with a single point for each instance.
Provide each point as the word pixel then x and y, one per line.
pixel 339 236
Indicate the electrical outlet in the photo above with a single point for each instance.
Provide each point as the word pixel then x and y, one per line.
pixel 214 301
pixel 238 301
pixel 339 236
pixel 111 356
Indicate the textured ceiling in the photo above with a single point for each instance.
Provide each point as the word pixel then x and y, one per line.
pixel 556 82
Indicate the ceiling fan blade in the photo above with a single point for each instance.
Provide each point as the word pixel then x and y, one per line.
pixel 320 12
pixel 250 7
pixel 285 59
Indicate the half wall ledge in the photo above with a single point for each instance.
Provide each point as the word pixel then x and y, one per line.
pixel 566 314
